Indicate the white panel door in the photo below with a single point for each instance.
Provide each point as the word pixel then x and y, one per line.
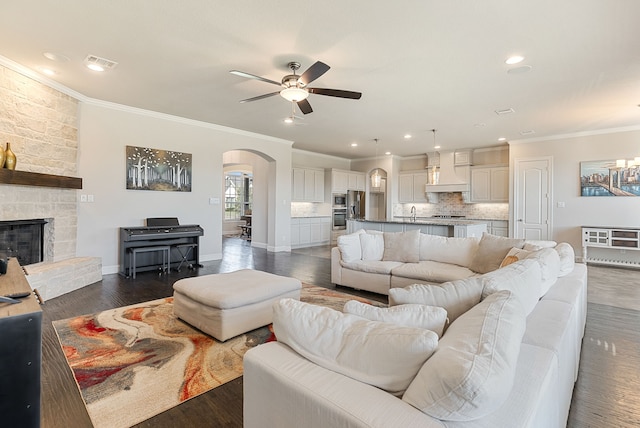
pixel 532 208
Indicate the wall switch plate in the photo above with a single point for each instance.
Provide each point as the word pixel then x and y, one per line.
pixel 214 201
pixel 89 198
pixel 560 204
pixel 83 198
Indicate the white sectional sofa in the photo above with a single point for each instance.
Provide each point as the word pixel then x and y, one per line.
pixel 508 357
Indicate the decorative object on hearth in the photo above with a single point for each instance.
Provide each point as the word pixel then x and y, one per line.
pixel 295 86
pixel 154 169
pixel 619 177
pixel 376 178
pixel 9 158
pixel 156 361
pixel 2 157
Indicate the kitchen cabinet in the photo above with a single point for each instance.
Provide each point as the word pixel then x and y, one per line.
pixel 490 184
pixel 411 187
pixel 341 181
pixel 307 185
pixel 499 228
pixel 310 231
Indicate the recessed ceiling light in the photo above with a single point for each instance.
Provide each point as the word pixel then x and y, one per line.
pixel 436 147
pixel 502 139
pixel 288 120
pixel 387 153
pixel 95 67
pixel 514 59
pixel 48 72
pixel 55 57
pixel 407 136
pixel 354 144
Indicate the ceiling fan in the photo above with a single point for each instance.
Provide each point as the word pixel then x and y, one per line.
pixel 295 86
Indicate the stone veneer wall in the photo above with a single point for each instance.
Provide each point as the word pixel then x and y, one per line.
pixel 41 125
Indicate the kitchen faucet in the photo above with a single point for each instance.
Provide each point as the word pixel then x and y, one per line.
pixel 413 213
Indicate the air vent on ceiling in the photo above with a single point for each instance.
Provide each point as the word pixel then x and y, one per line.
pixel 505 111
pixel 106 64
pixel 527 132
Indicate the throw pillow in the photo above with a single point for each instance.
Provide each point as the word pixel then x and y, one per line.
pixel 417 316
pixel 472 372
pixel 567 258
pixel 455 297
pixel 522 278
pixel 491 251
pixel 349 246
pixel 514 255
pixel 384 355
pixel 372 246
pixel 402 246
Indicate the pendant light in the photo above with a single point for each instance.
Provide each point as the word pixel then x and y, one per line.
pixel 376 178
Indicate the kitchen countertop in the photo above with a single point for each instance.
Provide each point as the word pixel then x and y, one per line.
pixel 428 220
pixel 311 216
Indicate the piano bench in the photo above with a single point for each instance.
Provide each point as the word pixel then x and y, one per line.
pixel 166 257
pixel 185 250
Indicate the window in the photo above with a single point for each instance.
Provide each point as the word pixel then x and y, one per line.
pixel 238 195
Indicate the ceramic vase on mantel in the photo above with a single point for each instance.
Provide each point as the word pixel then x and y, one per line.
pixel 1 157
pixel 9 158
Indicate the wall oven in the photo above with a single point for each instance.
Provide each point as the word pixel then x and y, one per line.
pixel 339 218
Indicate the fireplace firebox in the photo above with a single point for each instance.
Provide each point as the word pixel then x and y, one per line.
pixel 23 239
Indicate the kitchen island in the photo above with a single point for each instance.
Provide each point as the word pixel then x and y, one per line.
pixel 452 227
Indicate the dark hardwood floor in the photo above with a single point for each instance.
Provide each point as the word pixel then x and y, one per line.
pixel 607 392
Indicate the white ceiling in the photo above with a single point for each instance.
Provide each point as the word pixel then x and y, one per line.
pixel 419 64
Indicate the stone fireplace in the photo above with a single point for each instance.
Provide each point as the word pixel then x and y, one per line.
pixel 41 124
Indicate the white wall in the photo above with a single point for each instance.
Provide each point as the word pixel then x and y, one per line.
pixel 567 153
pixel 104 131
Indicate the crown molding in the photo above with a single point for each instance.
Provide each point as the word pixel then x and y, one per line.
pixel 576 135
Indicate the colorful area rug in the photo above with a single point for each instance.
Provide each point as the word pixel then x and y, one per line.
pixel 134 362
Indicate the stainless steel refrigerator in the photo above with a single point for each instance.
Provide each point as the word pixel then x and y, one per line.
pixel 356 204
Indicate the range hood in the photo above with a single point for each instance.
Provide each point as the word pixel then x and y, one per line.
pixel 451 178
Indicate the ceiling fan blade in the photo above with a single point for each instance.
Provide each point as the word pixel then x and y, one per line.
pixel 305 107
pixel 259 97
pixel 253 76
pixel 336 93
pixel 313 72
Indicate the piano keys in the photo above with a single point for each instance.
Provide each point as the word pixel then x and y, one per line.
pixel 153 236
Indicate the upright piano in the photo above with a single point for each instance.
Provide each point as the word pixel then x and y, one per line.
pixel 165 232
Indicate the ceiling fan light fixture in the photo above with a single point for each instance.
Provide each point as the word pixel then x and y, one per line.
pixel 294 94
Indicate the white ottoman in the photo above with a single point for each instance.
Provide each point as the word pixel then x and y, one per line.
pixel 228 304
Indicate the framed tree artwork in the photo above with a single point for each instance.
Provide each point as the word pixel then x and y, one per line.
pixel 154 169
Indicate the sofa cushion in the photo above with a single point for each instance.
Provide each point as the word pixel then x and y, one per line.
pixel 349 246
pixel 417 316
pixel 455 297
pixel 371 266
pixel 549 261
pixel 567 258
pixel 380 354
pixel 428 271
pixel 402 246
pixel 458 251
pixel 491 251
pixel 372 245
pixel 472 372
pixel 522 278
pixel 537 244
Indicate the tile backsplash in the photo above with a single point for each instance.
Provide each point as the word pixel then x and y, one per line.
pixel 452 204
pixel 309 209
